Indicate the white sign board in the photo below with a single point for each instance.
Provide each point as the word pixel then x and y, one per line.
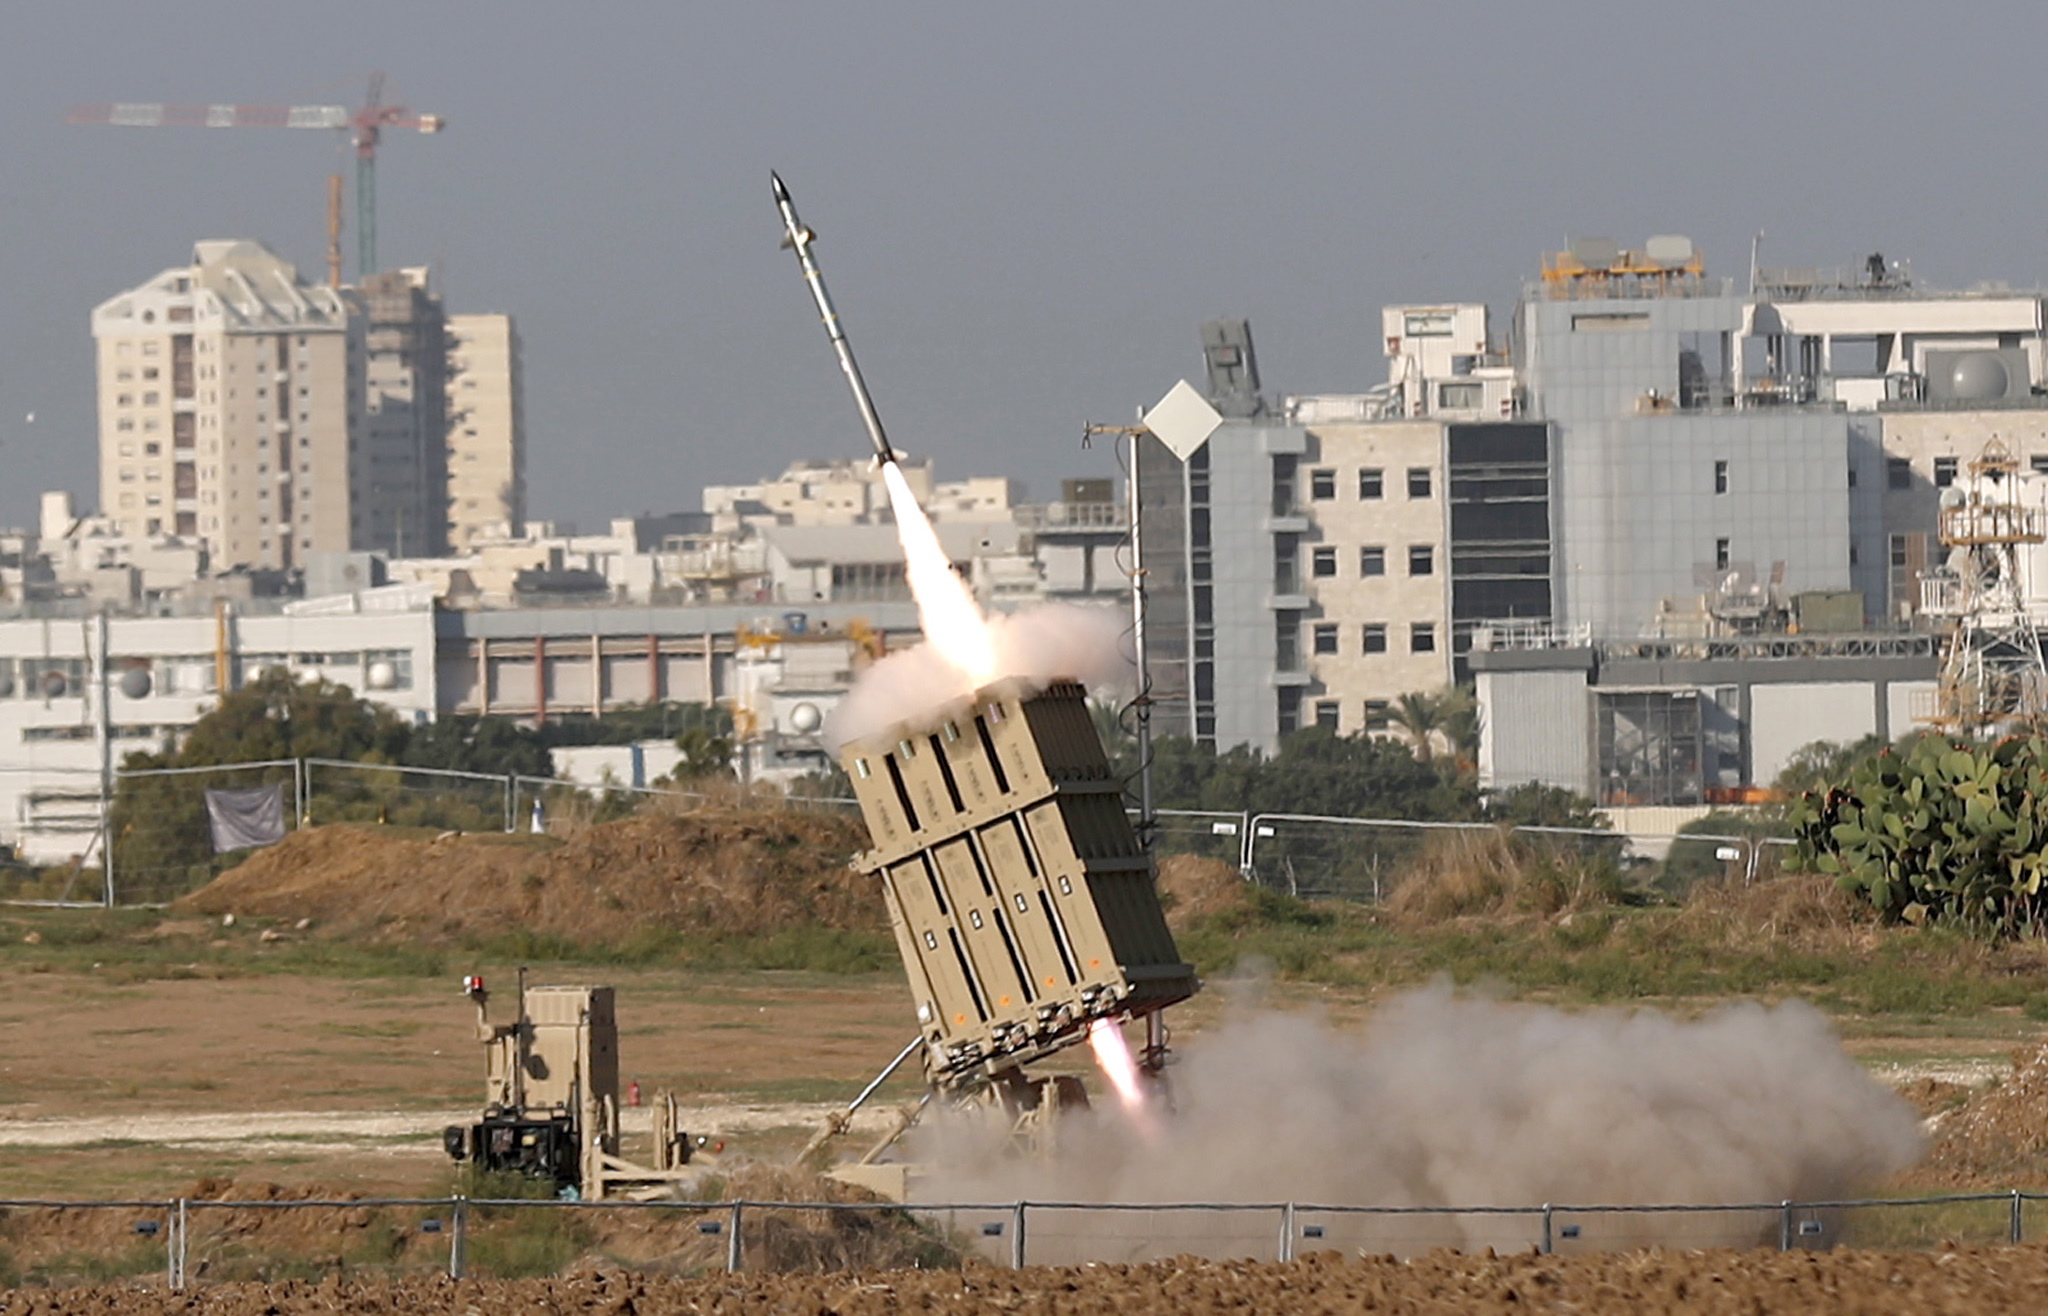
pixel 1183 420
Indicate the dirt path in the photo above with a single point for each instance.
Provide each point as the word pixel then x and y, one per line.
pixel 342 1130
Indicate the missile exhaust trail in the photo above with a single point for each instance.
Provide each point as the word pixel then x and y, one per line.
pixel 799 239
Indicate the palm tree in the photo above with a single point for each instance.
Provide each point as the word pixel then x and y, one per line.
pixel 1450 714
pixel 1420 714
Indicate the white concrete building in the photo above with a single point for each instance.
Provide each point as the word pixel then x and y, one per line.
pixel 486 430
pixel 230 391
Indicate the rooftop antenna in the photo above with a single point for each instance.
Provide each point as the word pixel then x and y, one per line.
pixel 1755 245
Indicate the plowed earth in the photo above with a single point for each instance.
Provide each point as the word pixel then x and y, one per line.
pixel 1983 1282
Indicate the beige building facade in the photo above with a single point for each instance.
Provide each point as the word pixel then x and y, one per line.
pixel 486 431
pixel 229 391
pixel 1375 564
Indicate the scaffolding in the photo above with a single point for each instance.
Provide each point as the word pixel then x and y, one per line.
pixel 1992 679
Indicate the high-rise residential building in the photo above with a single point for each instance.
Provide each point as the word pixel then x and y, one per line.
pixel 486 429
pixel 401 463
pixel 229 390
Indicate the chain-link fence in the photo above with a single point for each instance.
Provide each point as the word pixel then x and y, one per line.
pixel 163 845
pixel 1321 857
pixel 162 839
pixel 186 1242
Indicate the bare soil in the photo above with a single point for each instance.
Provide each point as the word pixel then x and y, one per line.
pixel 1983 1282
pixel 717 872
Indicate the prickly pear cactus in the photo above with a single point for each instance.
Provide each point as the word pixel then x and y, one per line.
pixel 1941 831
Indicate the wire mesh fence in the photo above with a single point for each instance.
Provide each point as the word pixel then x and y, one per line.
pixel 162 839
pixel 1324 857
pixel 182 1243
pixel 163 846
pixel 440 798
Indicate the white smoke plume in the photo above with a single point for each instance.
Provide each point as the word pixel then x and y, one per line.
pixel 1450 1100
pixel 1033 647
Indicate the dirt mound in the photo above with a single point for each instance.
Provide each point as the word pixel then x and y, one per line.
pixel 719 873
pixel 2001 1132
pixel 1991 1281
pixel 1195 888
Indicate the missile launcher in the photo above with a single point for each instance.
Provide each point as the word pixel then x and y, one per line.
pixel 1022 902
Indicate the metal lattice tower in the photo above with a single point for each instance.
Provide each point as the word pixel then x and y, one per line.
pixel 1993 677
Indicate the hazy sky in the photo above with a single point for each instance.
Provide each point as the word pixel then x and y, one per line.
pixel 1025 210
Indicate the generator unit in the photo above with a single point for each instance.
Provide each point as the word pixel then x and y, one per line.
pixel 1023 905
pixel 551 1097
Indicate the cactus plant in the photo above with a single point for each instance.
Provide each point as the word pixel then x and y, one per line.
pixel 1939 831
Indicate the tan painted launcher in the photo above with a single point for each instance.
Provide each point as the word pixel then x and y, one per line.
pixel 1021 901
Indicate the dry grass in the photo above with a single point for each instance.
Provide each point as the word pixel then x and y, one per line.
pixel 1494 874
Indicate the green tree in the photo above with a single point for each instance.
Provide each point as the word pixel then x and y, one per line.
pixel 163 846
pixel 465 743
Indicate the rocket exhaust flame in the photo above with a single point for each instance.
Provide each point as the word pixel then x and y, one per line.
pixel 952 621
pixel 1113 1054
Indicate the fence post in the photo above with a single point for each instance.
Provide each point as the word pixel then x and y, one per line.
pixel 2018 1225
pixel 1785 1226
pixel 176 1247
pixel 1017 1235
pixel 458 1220
pixel 735 1254
pixel 1244 843
pixel 1287 1232
pixel 300 793
pixel 511 802
pixel 1548 1236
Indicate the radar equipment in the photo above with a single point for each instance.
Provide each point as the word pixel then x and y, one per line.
pixel 1992 679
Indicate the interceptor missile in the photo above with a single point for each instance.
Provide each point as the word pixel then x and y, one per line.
pixel 799 239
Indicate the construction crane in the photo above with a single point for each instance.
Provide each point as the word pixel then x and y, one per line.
pixel 365 126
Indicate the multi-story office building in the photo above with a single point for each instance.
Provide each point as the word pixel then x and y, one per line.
pixel 229 390
pixel 486 442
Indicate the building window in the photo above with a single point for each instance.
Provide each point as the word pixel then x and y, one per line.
pixel 1322 485
pixel 1418 482
pixel 1372 483
pixel 1326 714
pixel 1462 396
pixel 1323 560
pixel 1898 473
pixel 1720 477
pixel 1898 552
pixel 1372 560
pixel 1720 555
pixel 1375 637
pixel 1422 637
pixel 1944 472
pixel 1378 714
pixel 1326 637
pixel 2039 461
pixel 1421 560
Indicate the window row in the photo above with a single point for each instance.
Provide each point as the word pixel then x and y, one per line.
pixel 1326 637
pixel 1372 482
pixel 1379 714
pixel 1372 560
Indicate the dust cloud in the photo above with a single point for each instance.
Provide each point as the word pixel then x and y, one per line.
pixel 1448 1099
pixel 1033 647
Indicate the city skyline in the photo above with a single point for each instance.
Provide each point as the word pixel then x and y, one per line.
pixel 1025 215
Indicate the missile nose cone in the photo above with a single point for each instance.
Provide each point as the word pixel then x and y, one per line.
pixel 781 192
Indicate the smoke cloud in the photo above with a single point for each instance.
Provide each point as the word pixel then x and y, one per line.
pixel 1452 1100
pixel 1033 647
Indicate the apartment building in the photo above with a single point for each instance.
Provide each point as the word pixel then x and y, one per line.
pixel 229 391
pixel 486 438
pixel 400 468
